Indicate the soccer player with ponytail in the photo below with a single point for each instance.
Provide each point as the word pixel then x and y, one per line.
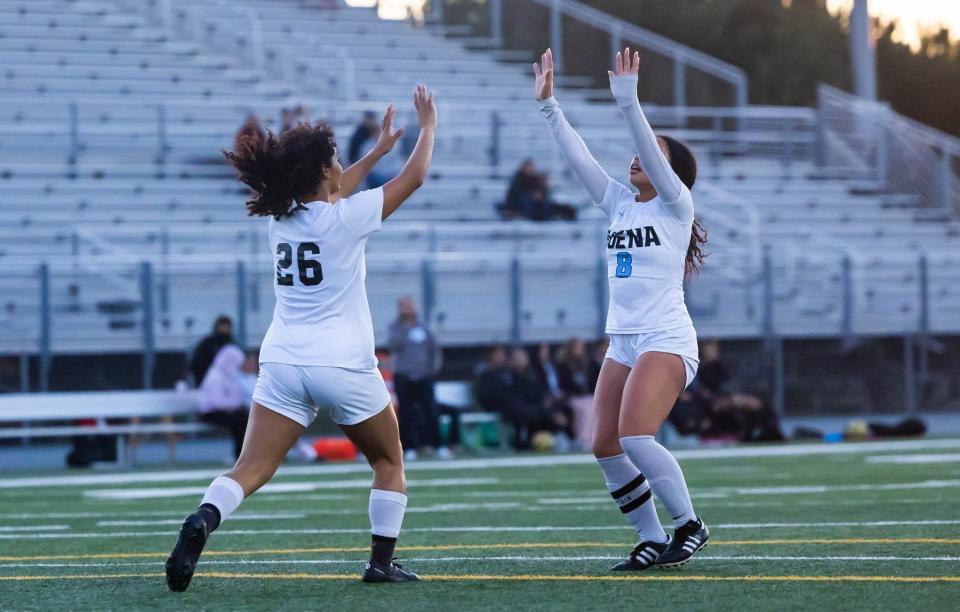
pixel 653 241
pixel 319 350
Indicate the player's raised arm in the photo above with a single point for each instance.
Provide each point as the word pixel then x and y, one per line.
pixel 356 173
pixel 414 173
pixel 572 147
pixel 623 85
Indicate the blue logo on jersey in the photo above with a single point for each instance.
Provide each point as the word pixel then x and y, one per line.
pixel 624 265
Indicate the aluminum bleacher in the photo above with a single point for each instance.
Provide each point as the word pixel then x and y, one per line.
pixel 122 228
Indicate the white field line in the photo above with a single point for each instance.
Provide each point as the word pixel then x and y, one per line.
pixel 280 487
pixel 913 459
pixel 172 516
pixel 845 488
pixel 440 508
pixel 299 487
pixel 725 492
pixel 4 528
pixel 474 529
pixel 785 450
pixel 241 515
pixel 510 558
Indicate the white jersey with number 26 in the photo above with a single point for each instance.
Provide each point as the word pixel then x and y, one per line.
pixel 322 317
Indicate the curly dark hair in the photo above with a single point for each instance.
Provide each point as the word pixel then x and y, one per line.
pixel 280 172
pixel 684 164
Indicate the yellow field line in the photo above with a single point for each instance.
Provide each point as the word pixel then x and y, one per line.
pixel 441 547
pixel 521 578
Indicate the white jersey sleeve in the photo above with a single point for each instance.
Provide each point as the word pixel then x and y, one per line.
pixel 670 188
pixel 575 151
pixel 681 209
pixel 362 213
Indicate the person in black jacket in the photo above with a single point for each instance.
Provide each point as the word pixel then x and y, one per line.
pixel 369 128
pixel 743 415
pixel 208 348
pixel 529 410
pixel 493 380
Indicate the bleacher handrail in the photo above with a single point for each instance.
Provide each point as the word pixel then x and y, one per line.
pixel 900 152
pixel 620 30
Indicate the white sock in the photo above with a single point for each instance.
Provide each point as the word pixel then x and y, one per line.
pixel 386 512
pixel 630 490
pixel 664 473
pixel 225 494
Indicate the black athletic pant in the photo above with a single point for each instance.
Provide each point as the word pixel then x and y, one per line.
pixel 234 421
pixel 418 415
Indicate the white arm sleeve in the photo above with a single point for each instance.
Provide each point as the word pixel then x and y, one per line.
pixel 575 151
pixel 664 179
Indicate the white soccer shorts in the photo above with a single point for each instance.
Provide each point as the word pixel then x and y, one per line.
pixel 627 348
pixel 299 392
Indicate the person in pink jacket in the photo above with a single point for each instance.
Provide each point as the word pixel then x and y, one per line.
pixel 223 401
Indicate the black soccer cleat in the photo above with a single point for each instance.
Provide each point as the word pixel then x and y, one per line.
pixel 374 572
pixel 183 560
pixel 643 556
pixel 688 539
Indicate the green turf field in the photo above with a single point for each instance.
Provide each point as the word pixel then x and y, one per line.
pixel 877 528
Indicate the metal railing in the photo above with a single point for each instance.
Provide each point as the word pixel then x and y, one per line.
pixel 900 153
pixel 82 127
pixel 622 32
pixel 162 302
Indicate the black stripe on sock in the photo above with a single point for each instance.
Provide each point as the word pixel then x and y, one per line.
pixel 630 486
pixel 633 505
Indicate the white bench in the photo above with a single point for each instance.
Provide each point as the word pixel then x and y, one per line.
pixel 459 395
pixel 35 409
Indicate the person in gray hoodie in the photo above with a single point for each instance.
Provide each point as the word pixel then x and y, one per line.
pixel 417 358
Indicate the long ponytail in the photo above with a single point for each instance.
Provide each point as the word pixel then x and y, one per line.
pixel 684 164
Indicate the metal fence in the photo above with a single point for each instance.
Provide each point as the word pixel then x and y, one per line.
pixel 900 153
pixel 110 303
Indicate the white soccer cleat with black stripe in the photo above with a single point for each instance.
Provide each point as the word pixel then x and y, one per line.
pixel 643 556
pixel 688 539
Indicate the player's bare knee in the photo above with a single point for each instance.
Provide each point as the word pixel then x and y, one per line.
pixel 606 447
pixel 637 429
pixel 388 465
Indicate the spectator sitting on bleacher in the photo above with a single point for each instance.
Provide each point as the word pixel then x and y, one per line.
pixel 598 354
pixel 575 375
pixel 529 197
pixel 368 128
pixel 363 140
pixel 741 415
pixel 574 369
pixel 558 404
pixel 513 390
pixel 223 400
pixel 208 348
pixel 492 380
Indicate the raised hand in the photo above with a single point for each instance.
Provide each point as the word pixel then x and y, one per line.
pixel 543 86
pixel 388 136
pixel 426 110
pixel 625 76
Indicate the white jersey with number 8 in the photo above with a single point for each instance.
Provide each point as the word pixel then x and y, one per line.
pixel 322 317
